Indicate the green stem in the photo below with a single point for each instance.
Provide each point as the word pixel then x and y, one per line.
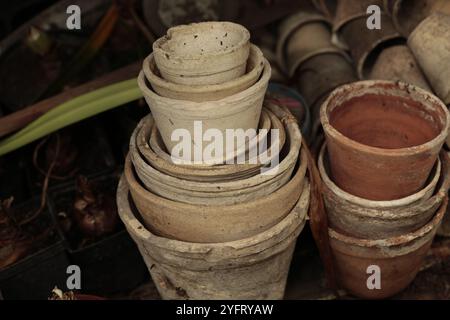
pixel 79 101
pixel 72 116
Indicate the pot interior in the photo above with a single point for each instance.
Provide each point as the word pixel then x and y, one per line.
pixel 203 39
pixel 386 121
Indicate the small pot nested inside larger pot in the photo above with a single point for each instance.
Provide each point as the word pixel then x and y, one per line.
pixel 384 137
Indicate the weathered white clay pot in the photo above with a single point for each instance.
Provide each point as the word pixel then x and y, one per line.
pixel 397 63
pixel 219 192
pixel 249 268
pixel 302 36
pixel 212 223
pixel 207 92
pixel 383 137
pixel 308 40
pixel 211 193
pixel 399 259
pixel 430 44
pixel 203 53
pixel 157 145
pixel 239 111
pixel 367 219
pixel 223 172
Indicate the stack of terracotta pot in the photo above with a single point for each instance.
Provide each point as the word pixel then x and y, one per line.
pixel 385 181
pixel 318 66
pixel 217 229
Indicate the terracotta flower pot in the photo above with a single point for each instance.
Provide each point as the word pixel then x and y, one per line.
pixel 399 259
pixel 406 15
pixel 365 44
pixel 265 124
pixel 349 10
pixel 250 268
pixel 285 29
pixel 212 223
pixel 317 131
pixel 430 44
pixel 238 111
pixel 368 219
pixel 203 53
pixel 223 172
pixel 310 39
pixel 383 137
pixel 397 63
pixel 211 193
pixel 302 36
pixel 202 93
pixel 218 192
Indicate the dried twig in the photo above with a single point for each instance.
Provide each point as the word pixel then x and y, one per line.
pixel 46 182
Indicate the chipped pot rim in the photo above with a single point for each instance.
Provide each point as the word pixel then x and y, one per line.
pixel 157 45
pixel 221 106
pixel 291 24
pixel 394 241
pixel 298 213
pixel 256 71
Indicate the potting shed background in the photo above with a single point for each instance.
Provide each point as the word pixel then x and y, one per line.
pixel 70 103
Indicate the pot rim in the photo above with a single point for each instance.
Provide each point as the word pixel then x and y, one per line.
pixel 427 97
pixel 292 23
pixel 137 187
pixel 123 196
pixel 331 49
pixel 243 185
pixel 227 106
pixel 157 45
pixel 150 155
pixel 374 204
pixel 156 143
pixel 289 160
pixel 394 241
pixel 256 71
